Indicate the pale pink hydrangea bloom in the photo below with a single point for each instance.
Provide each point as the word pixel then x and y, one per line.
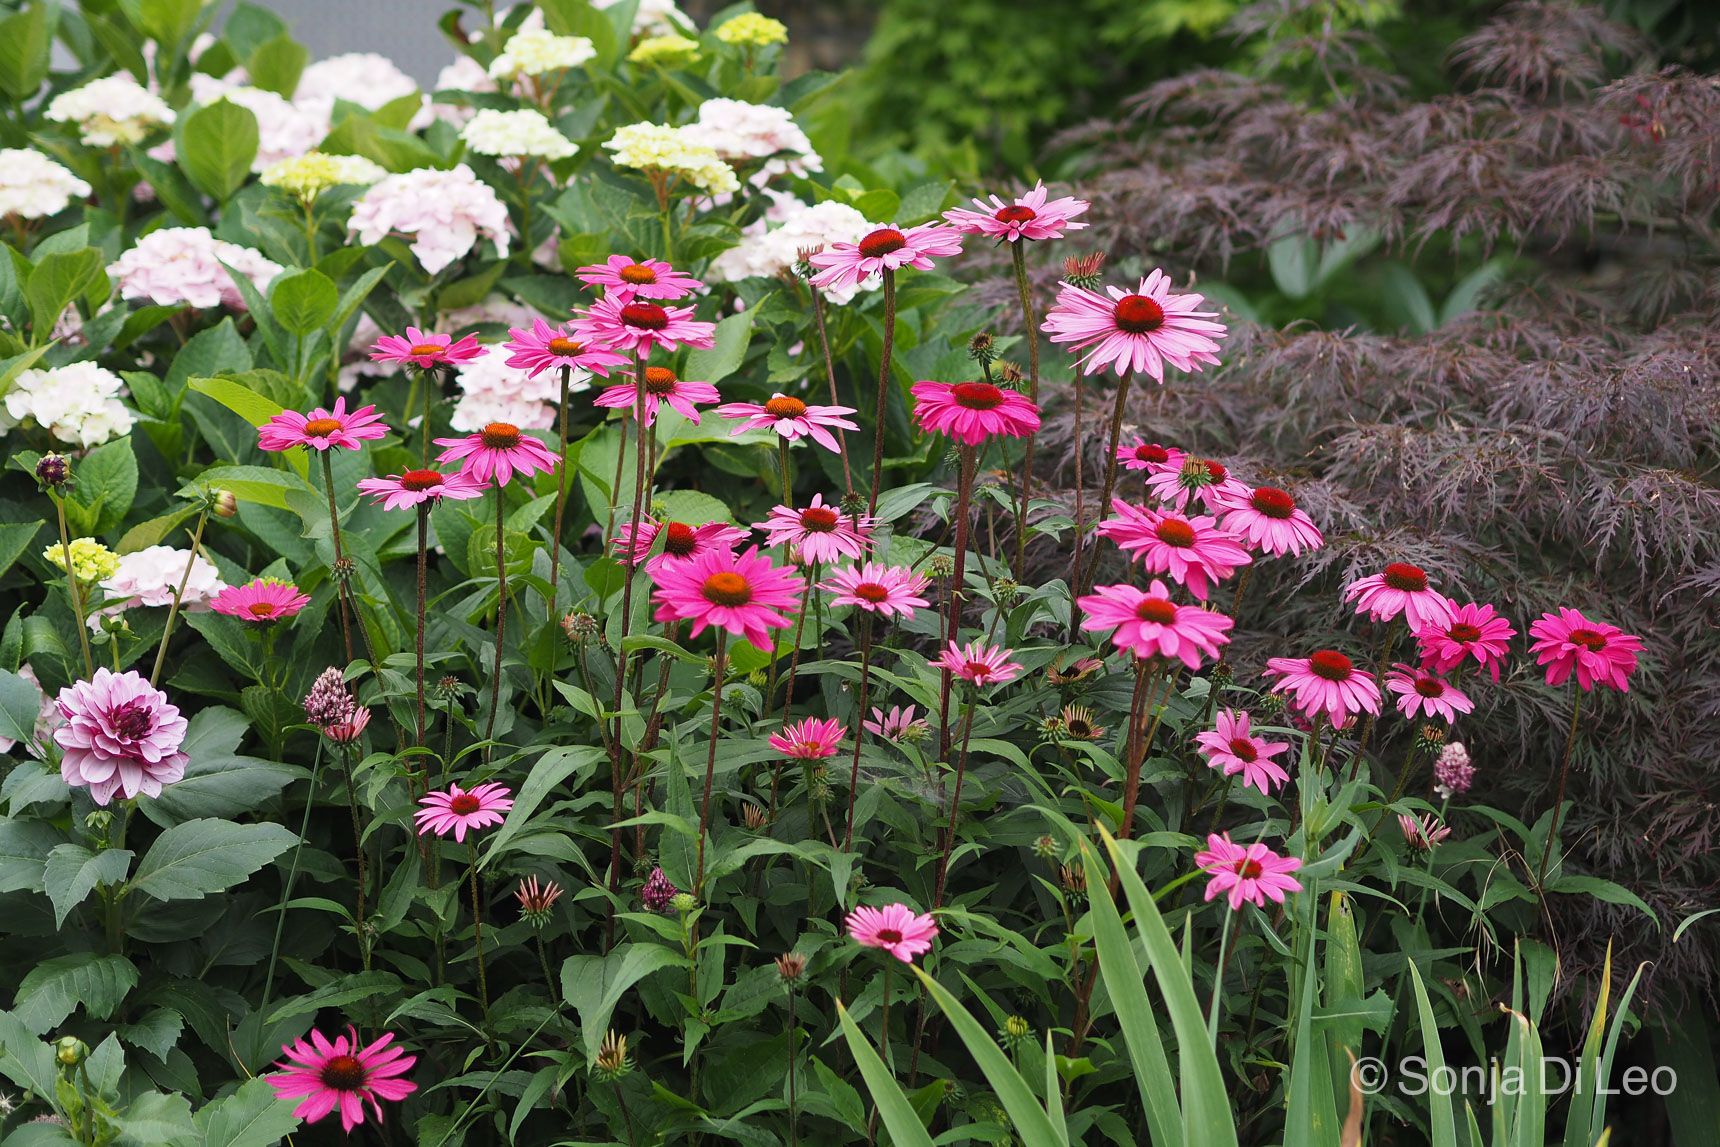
pixel 149 577
pixel 367 79
pixel 284 131
pixel 770 247
pixel 184 265
pixel 444 212
pixel 493 391
pixel 740 133
pixel 47 716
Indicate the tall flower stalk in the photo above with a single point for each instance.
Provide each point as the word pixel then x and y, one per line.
pixel 1025 291
pixel 711 758
pixel 886 379
pixel 501 614
pixel 560 493
pixel 952 626
pixel 55 473
pixel 178 592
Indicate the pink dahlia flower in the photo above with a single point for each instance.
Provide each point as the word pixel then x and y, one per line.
pixel 398 491
pixel 1030 216
pixel 1195 478
pixel 811 739
pixel 742 594
pixel 623 279
pixel 661 385
pixel 1230 745
pixel 877 588
pixel 1253 873
pixel 639 326
pixel 1601 654
pixel 425 350
pixel 1422 692
pixel 895 928
pixel 121 735
pixel 261 602
pixel 459 809
pixel 498 451
pixel 342 1074
pixel 1149 624
pixel 979 663
pixel 1194 551
pixel 819 533
pixel 1271 522
pixel 897 725
pixel 971 412
pixel 682 543
pixel 790 418
pixel 1423 833
pixel 1474 631
pixel 887 248
pixel 321 428
pixel 1326 682
pixel 1401 588
pixel 544 347
pixel 1145 455
pixel 1140 332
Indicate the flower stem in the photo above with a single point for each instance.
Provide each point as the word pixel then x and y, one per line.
pixel 859 726
pixel 178 595
pixel 886 379
pixel 292 874
pixel 793 1099
pixel 1559 801
pixel 1110 482
pixel 830 374
pixel 1024 290
pixel 1146 683
pixel 955 805
pixel 710 760
pixel 952 632
pixel 884 1015
pixel 77 594
pixel 340 587
pixel 787 482
pixel 358 847
pixel 478 933
pixel 1379 681
pixel 423 574
pixel 501 616
pixel 560 500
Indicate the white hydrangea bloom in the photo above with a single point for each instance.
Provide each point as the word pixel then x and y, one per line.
pixel 516 133
pixel 33 186
pixel 492 391
pixel 770 246
pixel 309 175
pixel 532 52
pixel 654 17
pixel 445 213
pixel 111 111
pixel 78 403
pixel 150 577
pixel 367 79
pixel 739 131
pixel 184 265
pixel 656 147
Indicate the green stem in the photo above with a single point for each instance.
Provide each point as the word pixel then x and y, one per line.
pixel 341 592
pixel 830 375
pixel 501 617
pixel 886 379
pixel 78 596
pixel 710 761
pixel 423 575
pixel 358 846
pixel 1022 289
pixel 865 682
pixel 287 890
pixel 173 611
pixel 560 500
pixel 478 933
pixel 787 483
pixel 955 806
pixel 1559 801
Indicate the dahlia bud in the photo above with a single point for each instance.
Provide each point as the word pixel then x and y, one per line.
pixel 1015 1032
pixel 70 1050
pixel 1045 848
pixel 612 1064
pixel 941 566
pixel 791 966
pixel 684 902
pixel 536 900
pixel 342 569
pixel 223 503
pixel 658 892
pixel 54 471
pixel 1085 271
pixel 982 348
pixel 1430 739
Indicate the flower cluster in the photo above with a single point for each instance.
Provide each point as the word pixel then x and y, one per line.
pixel 533 51
pixel 444 212
pixel 517 133
pixel 188 265
pixel 151 576
pixel 112 111
pixel 309 175
pixel 91 561
pixel 32 186
pixel 672 153
pixel 79 404
pixel 745 133
pixel 751 30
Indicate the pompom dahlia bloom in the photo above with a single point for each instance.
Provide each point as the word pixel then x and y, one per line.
pixel 742 594
pixel 32 186
pixel 1419 691
pixel 639 326
pixel 979 663
pixel 444 212
pixel 1149 624
pixel 681 542
pixel 340 1074
pixel 1473 631
pixel 1253 873
pixel 175 265
pixel 1326 682
pixel 895 928
pixel 544 347
pixel 498 451
pixel 844 265
pixel 1028 216
pixel 1145 455
pixel 1401 588
pixel 458 810
pixel 1231 746
pixel 661 385
pixel 819 533
pixel 401 491
pixel 321 429
pixel 1195 551
pixel 971 412
pixel 810 739
pixel 1195 479
pixel 624 279
pixel 425 349
pixel 1271 522
pixel 121 736
pixel 1599 653
pixel 877 588
pixel 1139 331
pixel 261 602
pixel 791 418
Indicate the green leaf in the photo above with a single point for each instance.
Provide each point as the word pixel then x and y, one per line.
pixel 24 848
pixel 57 280
pixel 219 785
pixel 725 357
pixel 551 770
pixel 107 484
pixel 20 705
pixel 694 507
pixel 1602 890
pixel 191 860
pixel 25 40
pixel 156 1119
pixel 54 988
pixel 157 1032
pixel 26 1060
pixel 303 301
pixel 167 22
pixel 217 145
pixel 250 1117
pixel 595 984
pixel 395 150
pixel 1442 1121
pixel 346 989
pixel 72 872
pixel 153 532
pixel 277 64
pixel 894 1110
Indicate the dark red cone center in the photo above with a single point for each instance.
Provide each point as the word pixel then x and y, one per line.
pixel 883 241
pixel 1138 314
pixel 1331 665
pixel 645 316
pixel 1405 577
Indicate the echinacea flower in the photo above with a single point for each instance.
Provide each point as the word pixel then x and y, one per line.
pixel 1149 624
pixel 1401 588
pixel 638 326
pixel 898 724
pixel 886 248
pixel 1139 331
pixel 349 729
pixel 342 1074
pixel 399 491
pixel 1194 479
pixel 457 810
pixel 877 588
pixel 1231 746
pixel 810 739
pixel 1029 216
pixel 791 418
pixel 1422 692
pixel 498 451
pixel 1078 723
pixel 971 412
pixel 1271 522
pixel 121 736
pixel 819 533
pixel 1423 833
pixel 1145 455
pixel 979 663
pixel 1253 873
pixel 1195 551
pixel 661 385
pixel 536 899
pixel 1601 654
pixel 742 594
pixel 625 279
pixel 261 602
pixel 425 349
pixel 681 543
pixel 895 928
pixel 1473 631
pixel 544 347
pixel 321 428
pixel 1326 682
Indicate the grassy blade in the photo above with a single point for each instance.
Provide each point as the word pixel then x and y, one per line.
pixel 1054 1092
pixel 894 1110
pixel 1597 1122
pixel 1578 1125
pixel 1312 1119
pixel 1441 1123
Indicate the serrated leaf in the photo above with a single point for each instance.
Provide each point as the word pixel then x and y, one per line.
pixel 191 860
pixel 361 985
pixel 53 989
pixel 595 984
pixel 157 1032
pixel 24 848
pixel 72 872
pixel 728 351
pixel 157 1119
pixel 20 704
pixel 250 1117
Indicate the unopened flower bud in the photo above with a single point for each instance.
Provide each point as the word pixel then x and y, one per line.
pixel 941 566
pixel 1074 878
pixel 1045 848
pixel 853 503
pixel 70 1050
pixel 1222 673
pixel 1016 1031
pixel 1430 739
pixel 1051 729
pixel 982 348
pixel 1271 704
pixel 223 503
pixel 54 471
pixel 758 678
pixel 1009 373
pixel 342 569
pixel 755 817
pixel 658 893
pixel 684 902
pixel 791 966
pixel 447 688
pixel 1006 590
pixel 612 1064
pixel 1086 271
pixel 579 625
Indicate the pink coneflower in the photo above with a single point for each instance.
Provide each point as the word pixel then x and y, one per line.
pixel 1422 692
pixel 349 728
pixel 536 899
pixel 1401 588
pixel 544 347
pixel 342 1074
pixel 498 451
pixel 971 412
pixel 1422 833
pixel 1145 455
pixel 1271 522
pixel 811 739
pixel 424 349
pixel 1231 746
pixel 1149 624
pixel 661 385
pixel 400 491
pixel 263 601
pixel 1253 873
pixel 1473 631
pixel 979 663
pixel 635 325
pixel 682 543
pixel 1601 654
pixel 460 809
pixel 1326 682
pixel 790 418
pixel 1030 216
pixel 1195 551
pixel 1139 332
pixel 898 724
pixel 1195 478
pixel 321 428
pixel 121 736
pixel 742 594
pixel 877 588
pixel 895 928
pixel 820 533
pixel 623 278
pixel 850 264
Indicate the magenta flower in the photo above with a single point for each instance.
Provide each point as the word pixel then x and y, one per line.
pixel 1271 522
pixel 348 729
pixel 341 1074
pixel 895 928
pixel 1150 624
pixel 1231 746
pixel 1601 654
pixel 637 326
pixel 819 533
pixel 261 602
pixel 1422 833
pixel 460 809
pixel 742 594
pixel 498 451
pixel 811 739
pixel 790 418
pixel 121 736
pixel 1401 588
pixel 321 428
pixel 878 588
pixel 661 385
pixel 1139 332
pixel 1474 631
pixel 971 412
pixel 1422 692
pixel 1326 682
pixel 658 891
pixel 398 491
pixel 544 347
pixel 1030 216
pixel 681 544
pixel 1199 478
pixel 1253 873
pixel 424 349
pixel 850 264
pixel 896 725
pixel 1194 551
pixel 1145 455
pixel 624 279
pixel 979 663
